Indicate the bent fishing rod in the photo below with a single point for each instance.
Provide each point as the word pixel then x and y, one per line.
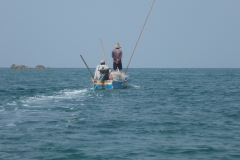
pixel 140 35
pixel 86 66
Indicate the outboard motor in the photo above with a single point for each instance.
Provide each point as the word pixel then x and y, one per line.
pixel 104 72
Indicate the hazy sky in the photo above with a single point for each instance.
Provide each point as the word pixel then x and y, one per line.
pixel 178 33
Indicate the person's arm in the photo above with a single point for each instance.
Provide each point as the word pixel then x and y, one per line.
pixel 95 75
pixel 120 55
pixel 96 72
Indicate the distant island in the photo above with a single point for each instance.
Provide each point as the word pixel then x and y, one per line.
pixel 14 66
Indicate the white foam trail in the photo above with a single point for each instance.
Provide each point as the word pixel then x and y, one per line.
pixel 74 92
pixel 11 125
pixel 135 86
pixel 2 110
pixel 12 103
pixel 56 97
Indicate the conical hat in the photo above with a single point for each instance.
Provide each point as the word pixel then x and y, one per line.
pixel 117 46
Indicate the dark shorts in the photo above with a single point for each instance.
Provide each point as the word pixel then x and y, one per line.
pixel 119 65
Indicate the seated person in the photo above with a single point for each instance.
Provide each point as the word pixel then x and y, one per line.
pixel 101 70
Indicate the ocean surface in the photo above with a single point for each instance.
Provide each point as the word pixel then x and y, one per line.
pixel 168 114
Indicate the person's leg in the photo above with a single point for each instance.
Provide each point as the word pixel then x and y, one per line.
pixel 120 66
pixel 114 66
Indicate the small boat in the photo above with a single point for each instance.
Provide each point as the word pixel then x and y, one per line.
pixel 118 80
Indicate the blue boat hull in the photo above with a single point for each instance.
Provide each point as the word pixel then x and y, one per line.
pixel 109 84
pixel 119 85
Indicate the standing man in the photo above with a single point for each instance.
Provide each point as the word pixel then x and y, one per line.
pixel 117 56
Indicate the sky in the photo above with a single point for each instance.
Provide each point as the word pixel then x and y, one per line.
pixel 178 33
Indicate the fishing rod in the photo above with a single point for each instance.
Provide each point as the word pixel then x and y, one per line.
pixel 103 52
pixel 140 35
pixel 99 82
pixel 86 66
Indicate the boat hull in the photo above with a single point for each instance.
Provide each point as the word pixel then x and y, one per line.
pixel 119 85
pixel 109 84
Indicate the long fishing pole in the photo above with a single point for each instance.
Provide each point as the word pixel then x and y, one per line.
pixel 103 51
pixel 140 35
pixel 98 82
pixel 86 66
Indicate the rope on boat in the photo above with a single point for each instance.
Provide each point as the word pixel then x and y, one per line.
pixel 140 35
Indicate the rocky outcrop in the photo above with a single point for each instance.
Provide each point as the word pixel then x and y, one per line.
pixel 40 67
pixel 14 66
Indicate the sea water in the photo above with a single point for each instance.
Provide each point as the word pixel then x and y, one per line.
pixel 162 114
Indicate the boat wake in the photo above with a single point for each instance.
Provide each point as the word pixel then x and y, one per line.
pixel 62 102
pixel 58 96
pixel 135 86
pixel 49 99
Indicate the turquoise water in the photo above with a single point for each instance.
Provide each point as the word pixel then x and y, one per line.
pixel 163 114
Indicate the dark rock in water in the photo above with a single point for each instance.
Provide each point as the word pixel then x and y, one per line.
pixel 40 67
pixel 14 66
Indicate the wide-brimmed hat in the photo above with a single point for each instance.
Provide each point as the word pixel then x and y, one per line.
pixel 117 46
